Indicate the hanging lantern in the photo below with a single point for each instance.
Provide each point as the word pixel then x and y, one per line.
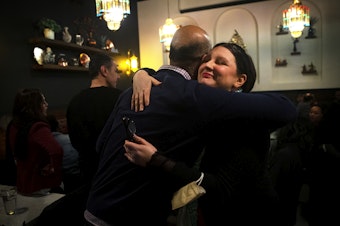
pixel 296 18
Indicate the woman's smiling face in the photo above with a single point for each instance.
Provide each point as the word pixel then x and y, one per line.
pixel 219 69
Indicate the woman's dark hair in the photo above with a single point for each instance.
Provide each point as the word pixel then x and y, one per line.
pixel 244 63
pixel 27 109
pixel 28 106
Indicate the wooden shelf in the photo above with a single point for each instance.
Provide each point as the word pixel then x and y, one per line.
pixel 62 45
pixel 60 68
pixel 44 42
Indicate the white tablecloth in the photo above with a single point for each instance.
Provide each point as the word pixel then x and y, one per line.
pixel 28 208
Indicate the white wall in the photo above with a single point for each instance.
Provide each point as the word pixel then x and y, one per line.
pixel 256 23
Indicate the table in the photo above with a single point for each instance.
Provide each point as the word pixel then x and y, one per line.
pixel 28 208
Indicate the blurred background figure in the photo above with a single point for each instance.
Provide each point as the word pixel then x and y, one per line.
pixel 71 171
pixel 324 165
pixel 287 167
pixel 37 154
pixel 7 164
pixel 304 105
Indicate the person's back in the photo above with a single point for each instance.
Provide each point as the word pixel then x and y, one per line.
pixel 179 112
pixel 287 167
pixel 86 116
pixel 88 111
pixel 71 171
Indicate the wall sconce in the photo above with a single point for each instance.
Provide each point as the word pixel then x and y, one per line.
pixel 296 18
pixel 167 31
pixel 131 63
pixel 113 12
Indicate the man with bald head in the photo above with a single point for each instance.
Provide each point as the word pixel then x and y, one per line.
pixel 179 121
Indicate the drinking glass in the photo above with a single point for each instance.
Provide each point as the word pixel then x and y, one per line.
pixel 9 197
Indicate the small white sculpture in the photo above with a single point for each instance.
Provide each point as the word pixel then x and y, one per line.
pixel 67 37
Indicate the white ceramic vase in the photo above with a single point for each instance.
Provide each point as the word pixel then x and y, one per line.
pixel 48 33
pixel 67 37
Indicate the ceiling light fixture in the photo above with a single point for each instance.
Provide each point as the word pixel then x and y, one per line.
pixel 113 12
pixel 296 18
pixel 167 31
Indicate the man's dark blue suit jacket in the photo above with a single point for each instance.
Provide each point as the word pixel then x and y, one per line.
pixel 179 120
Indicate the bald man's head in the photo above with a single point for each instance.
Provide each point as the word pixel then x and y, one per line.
pixel 188 46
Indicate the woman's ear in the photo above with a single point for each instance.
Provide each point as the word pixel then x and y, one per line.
pixel 240 81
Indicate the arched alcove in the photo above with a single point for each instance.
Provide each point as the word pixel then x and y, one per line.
pixel 244 22
pixel 310 49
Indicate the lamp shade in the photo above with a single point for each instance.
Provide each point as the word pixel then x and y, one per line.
pixel 166 32
pixel 296 18
pixel 113 12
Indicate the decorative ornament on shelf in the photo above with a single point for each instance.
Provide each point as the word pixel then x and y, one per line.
pixel 67 37
pixel 90 29
pixel 62 60
pixel 49 27
pixel 109 46
pixel 91 41
pixel 311 29
pixel 79 39
pixel 280 62
pixel 38 55
pixel 282 30
pixel 311 69
pixel 295 52
pixel 49 56
pixel 84 60
pixel 237 39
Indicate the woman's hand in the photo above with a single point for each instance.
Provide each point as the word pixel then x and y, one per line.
pixel 142 83
pixel 140 151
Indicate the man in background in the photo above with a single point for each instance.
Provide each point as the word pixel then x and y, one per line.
pixel 89 109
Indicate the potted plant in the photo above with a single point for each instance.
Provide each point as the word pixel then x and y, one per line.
pixel 49 27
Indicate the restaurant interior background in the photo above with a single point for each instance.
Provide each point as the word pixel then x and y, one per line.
pixel 255 21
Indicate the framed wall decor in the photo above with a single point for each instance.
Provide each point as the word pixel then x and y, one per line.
pixel 196 5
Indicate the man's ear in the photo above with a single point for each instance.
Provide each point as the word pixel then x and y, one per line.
pixel 103 70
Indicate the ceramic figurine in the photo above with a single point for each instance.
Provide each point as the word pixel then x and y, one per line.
pixel 67 37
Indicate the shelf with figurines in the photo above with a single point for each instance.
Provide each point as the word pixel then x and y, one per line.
pixel 282 30
pixel 311 29
pixel 48 60
pixel 310 70
pixel 280 62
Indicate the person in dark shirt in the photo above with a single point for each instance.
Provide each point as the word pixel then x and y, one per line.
pixel 88 111
pixel 86 115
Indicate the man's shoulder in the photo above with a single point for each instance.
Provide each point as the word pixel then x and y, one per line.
pixel 96 94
